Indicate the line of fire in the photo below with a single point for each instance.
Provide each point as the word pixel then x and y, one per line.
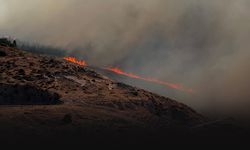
pixel 119 71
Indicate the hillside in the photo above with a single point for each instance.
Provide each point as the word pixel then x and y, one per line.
pixel 46 96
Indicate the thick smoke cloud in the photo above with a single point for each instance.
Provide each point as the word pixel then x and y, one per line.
pixel 199 43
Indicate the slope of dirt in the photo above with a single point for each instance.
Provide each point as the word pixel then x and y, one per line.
pixel 65 98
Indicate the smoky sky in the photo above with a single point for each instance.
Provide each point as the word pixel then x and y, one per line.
pixel 203 44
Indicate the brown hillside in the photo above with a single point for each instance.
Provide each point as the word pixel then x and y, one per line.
pixel 42 95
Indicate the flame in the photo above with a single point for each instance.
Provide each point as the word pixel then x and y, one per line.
pixel 74 60
pixel 131 75
pixel 170 85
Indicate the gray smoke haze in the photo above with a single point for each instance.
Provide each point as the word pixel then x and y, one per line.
pixel 202 44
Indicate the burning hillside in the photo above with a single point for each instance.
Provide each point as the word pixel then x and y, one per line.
pixel 81 88
pixel 118 71
pixel 63 96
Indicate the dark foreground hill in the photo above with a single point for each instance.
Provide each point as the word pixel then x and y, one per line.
pixel 48 99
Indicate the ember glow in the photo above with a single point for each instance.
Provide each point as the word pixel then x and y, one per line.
pixel 168 84
pixel 74 60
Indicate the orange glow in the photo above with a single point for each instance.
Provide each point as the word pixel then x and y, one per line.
pixel 74 60
pixel 171 85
